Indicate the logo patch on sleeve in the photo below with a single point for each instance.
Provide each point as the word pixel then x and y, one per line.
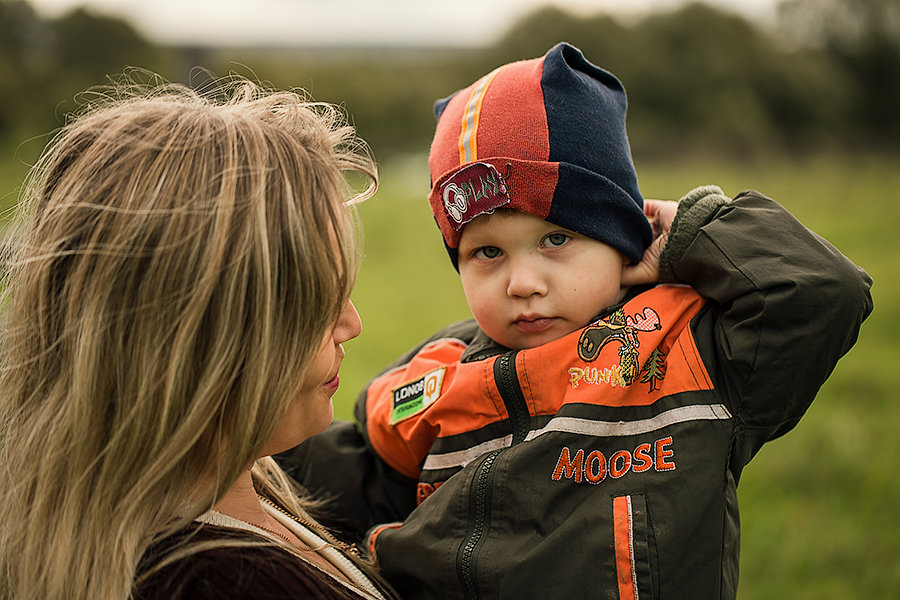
pixel 412 398
pixel 474 190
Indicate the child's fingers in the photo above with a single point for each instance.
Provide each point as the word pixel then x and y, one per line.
pixel 646 271
pixel 660 214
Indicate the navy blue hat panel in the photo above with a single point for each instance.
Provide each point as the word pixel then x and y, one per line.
pixel 586 107
pixel 440 105
pixel 592 205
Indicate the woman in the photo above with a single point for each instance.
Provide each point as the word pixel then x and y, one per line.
pixel 175 301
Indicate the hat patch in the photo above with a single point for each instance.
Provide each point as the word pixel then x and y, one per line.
pixel 474 190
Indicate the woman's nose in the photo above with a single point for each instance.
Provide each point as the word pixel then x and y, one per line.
pixel 349 324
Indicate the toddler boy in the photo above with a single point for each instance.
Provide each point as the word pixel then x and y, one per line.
pixel 584 435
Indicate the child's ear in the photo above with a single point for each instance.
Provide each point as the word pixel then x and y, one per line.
pixel 644 272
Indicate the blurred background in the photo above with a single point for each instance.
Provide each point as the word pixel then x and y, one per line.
pixel 796 98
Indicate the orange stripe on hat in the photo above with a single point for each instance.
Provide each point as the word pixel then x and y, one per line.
pixel 624 542
pixel 468 135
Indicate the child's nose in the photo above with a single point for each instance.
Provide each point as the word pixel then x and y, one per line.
pixel 526 279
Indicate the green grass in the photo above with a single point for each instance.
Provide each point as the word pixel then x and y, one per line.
pixel 819 506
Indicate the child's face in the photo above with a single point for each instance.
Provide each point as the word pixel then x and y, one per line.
pixel 528 281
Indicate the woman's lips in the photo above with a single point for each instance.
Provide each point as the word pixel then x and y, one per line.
pixel 533 325
pixel 333 383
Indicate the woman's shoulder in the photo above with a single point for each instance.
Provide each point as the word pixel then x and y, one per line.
pixel 208 562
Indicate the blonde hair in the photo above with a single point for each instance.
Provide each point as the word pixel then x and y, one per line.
pixel 181 258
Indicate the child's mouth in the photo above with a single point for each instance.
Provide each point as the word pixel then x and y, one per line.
pixel 536 325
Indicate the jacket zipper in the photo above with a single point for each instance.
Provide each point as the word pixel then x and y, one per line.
pixel 479 517
pixel 507 381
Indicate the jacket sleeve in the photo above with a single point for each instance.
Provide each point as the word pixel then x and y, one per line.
pixel 341 467
pixel 359 489
pixel 786 306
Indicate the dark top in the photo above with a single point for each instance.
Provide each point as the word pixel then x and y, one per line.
pixel 261 572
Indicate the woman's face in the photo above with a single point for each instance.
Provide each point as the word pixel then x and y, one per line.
pixel 312 411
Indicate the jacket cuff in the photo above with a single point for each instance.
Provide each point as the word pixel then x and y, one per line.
pixel 372 535
pixel 695 210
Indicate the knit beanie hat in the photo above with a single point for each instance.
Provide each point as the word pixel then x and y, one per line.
pixel 546 137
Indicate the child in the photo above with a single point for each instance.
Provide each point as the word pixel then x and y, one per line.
pixel 584 436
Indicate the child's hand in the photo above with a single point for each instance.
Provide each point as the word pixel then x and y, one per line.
pixel 660 213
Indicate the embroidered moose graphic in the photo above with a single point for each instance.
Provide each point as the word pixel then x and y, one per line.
pixel 624 330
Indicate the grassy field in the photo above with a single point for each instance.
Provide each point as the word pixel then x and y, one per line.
pixel 819 507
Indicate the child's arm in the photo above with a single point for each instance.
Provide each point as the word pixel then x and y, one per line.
pixel 359 489
pixel 787 303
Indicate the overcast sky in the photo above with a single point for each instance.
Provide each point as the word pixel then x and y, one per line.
pixel 383 22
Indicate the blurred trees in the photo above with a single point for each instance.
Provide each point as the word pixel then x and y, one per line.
pixel 44 63
pixel 20 85
pixel 699 79
pixel 861 39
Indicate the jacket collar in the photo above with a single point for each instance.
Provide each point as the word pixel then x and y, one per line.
pixel 482 347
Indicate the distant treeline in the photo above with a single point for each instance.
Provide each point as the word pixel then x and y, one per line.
pixel 699 80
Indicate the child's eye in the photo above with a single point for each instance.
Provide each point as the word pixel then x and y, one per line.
pixel 555 240
pixel 487 252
